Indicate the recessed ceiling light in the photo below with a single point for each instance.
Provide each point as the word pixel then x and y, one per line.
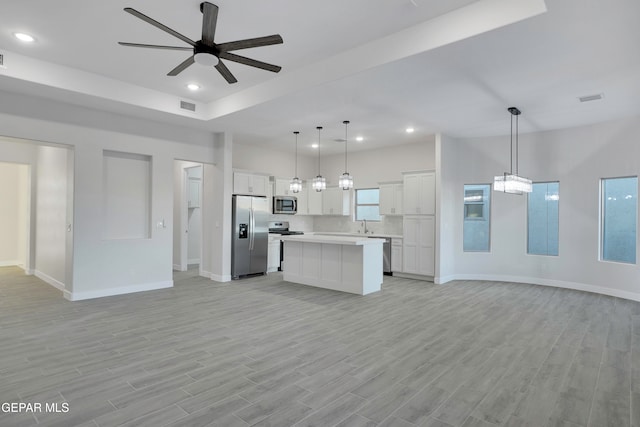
pixel 24 37
pixel 410 130
pixel 314 145
pixel 193 86
pixel 359 138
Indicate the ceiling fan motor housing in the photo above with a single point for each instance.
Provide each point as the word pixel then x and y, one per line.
pixel 205 55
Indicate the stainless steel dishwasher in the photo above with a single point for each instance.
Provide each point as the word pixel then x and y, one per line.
pixel 386 254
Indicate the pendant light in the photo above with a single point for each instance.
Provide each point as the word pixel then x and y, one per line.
pixel 319 182
pixel 511 182
pixel 345 181
pixel 295 186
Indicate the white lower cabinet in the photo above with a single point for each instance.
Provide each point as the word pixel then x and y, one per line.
pixel 273 253
pixel 418 245
pixel 396 256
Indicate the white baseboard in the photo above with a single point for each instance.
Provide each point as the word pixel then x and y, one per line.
pixel 219 278
pixel 10 263
pixel 178 267
pixel 50 280
pixel 413 276
pixel 546 282
pixel 194 261
pixel 78 296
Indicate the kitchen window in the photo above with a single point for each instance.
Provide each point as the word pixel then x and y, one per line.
pixel 542 218
pixel 476 225
pixel 368 204
pixel 618 218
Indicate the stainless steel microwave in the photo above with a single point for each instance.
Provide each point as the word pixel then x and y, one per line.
pixel 285 205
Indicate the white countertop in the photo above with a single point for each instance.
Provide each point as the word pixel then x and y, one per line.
pixel 333 239
pixel 337 233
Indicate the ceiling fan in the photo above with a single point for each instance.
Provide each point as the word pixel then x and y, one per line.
pixel 206 51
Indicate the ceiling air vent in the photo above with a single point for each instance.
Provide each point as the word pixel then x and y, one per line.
pixel 188 106
pixel 1 60
pixel 588 98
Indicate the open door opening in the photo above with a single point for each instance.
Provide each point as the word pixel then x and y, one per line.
pixel 188 220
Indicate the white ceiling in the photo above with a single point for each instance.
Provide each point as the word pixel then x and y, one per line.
pixel 450 66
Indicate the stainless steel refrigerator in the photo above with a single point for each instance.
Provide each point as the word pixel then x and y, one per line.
pixel 250 238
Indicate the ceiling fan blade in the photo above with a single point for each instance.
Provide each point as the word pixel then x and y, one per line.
pixel 249 43
pixel 250 62
pixel 159 25
pixel 209 21
pixel 154 46
pixel 183 66
pixel 222 69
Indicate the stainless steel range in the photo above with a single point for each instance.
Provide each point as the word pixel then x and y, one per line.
pixel 282 228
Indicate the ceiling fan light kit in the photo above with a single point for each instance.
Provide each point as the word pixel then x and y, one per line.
pixel 205 51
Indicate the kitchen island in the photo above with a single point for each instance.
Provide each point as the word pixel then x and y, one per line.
pixel 341 263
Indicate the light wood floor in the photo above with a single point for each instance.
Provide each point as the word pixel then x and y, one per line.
pixel 268 353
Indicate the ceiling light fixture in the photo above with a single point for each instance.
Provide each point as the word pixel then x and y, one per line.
pixel 345 181
pixel 359 138
pixel 410 130
pixel 296 183
pixel 193 86
pixel 511 182
pixel 24 37
pixel 319 182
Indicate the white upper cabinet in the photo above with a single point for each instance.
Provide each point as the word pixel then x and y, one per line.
pixel 314 200
pixel 281 188
pixel 194 192
pixel 391 195
pixel 336 201
pixel 303 200
pixel 250 184
pixel 420 193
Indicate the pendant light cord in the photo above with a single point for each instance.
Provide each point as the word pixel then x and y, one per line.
pixel 346 124
pixel 319 128
pixel 517 145
pixel 296 134
pixel 511 147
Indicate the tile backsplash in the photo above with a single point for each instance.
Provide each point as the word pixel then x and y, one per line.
pixel 344 224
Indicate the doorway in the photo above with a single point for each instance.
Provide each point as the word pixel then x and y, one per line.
pixel 188 220
pixel 15 214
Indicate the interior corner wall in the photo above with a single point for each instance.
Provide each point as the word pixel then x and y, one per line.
pixel 578 158
pixel 216 209
pixel 51 216
pixel 446 209
pixel 23 152
pixel 111 267
pixel 13 213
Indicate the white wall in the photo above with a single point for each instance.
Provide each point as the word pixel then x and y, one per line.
pixel 273 162
pixel 14 211
pixel 108 267
pixel 578 158
pixel 18 151
pixel 51 216
pixel 380 165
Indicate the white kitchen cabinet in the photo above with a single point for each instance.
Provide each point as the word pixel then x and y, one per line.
pixel 273 253
pixel 418 245
pixel 303 200
pixel 396 255
pixel 281 188
pixel 250 184
pixel 391 196
pixel 336 201
pixel 314 200
pixel 419 193
pixel 193 193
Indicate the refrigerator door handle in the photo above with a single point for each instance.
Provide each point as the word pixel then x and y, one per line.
pixel 252 230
